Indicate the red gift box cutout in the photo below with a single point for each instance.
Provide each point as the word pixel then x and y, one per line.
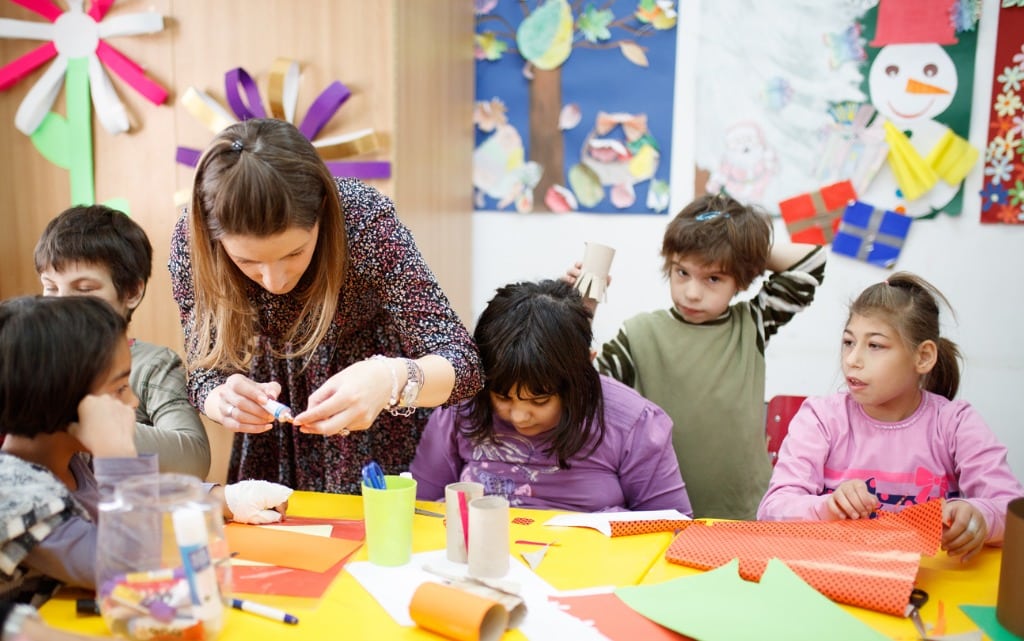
pixel 814 217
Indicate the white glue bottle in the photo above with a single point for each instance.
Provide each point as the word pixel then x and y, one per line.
pixel 194 545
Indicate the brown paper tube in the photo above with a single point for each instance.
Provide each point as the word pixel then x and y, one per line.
pixel 488 537
pixel 457 615
pixel 455 538
pixel 1010 603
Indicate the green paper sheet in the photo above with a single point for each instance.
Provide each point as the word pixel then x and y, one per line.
pixel 985 618
pixel 718 605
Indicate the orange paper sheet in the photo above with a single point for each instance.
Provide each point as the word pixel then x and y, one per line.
pixel 630 528
pixel 287 549
pixel 868 563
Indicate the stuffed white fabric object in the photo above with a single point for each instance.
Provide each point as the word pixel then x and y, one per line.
pixel 253 501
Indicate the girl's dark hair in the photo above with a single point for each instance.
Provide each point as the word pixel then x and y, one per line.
pixel 52 352
pixel 537 336
pixel 102 236
pixel 719 230
pixel 909 304
pixel 261 177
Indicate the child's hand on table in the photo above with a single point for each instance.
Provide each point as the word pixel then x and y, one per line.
pixel 852 500
pixel 964 529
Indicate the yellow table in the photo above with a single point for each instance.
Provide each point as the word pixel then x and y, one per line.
pixel 583 558
pixel 944 578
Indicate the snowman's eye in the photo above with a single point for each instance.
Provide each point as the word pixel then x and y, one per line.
pixel 930 70
pixel 892 70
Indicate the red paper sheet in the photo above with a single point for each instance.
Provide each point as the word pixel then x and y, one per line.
pixel 869 563
pixel 616 620
pixel 283 581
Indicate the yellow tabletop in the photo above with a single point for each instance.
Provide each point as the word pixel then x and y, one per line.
pixel 582 558
pixel 945 579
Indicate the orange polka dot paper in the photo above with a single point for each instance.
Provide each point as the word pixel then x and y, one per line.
pixel 869 563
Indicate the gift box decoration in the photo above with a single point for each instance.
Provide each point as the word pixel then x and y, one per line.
pixel 871 234
pixel 814 217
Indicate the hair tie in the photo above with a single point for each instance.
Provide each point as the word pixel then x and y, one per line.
pixel 236 145
pixel 711 215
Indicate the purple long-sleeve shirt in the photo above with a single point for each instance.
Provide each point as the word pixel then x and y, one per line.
pixel 634 467
pixel 944 449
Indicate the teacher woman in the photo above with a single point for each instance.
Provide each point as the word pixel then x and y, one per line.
pixel 298 287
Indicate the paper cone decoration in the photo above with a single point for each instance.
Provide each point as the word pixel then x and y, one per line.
pixel 456 614
pixel 814 217
pixel 869 563
pixel 593 279
pixel 870 234
pixel 912 172
pixel 952 157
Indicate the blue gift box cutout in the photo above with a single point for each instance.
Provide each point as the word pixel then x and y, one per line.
pixel 871 234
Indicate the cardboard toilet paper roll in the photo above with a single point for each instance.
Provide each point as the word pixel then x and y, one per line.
pixel 597 262
pixel 457 614
pixel 455 535
pixel 488 537
pixel 1010 603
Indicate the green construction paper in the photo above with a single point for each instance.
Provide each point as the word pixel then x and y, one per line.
pixel 120 204
pixel 51 138
pixel 984 616
pixel 79 140
pixel 718 605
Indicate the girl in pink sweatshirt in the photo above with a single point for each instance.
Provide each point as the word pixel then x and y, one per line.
pixel 896 437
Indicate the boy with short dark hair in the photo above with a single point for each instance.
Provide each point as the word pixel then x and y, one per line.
pixel 98 251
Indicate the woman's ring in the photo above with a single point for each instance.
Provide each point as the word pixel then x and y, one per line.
pixel 345 431
pixel 231 411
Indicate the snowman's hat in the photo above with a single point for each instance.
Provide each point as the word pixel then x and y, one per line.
pixel 913 22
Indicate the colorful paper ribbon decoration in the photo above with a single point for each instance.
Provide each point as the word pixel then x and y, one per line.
pixel 245 102
pixel 869 563
pixel 952 157
pixel 914 176
pixel 79 53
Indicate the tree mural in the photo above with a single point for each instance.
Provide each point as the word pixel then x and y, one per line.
pixel 545 39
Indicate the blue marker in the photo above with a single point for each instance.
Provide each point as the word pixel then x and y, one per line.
pixel 264 611
pixel 279 411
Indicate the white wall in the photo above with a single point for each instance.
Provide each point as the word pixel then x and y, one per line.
pixel 978 267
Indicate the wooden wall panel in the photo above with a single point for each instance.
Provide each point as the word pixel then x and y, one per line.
pixel 408 64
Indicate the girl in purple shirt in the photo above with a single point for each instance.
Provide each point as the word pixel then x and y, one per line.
pixel 896 437
pixel 547 430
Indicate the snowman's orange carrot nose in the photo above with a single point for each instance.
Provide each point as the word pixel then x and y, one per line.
pixel 916 86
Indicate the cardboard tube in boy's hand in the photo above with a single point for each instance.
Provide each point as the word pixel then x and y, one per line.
pixel 593 278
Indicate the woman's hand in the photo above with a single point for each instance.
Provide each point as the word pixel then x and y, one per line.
pixel 353 398
pixel 238 404
pixel 105 427
pixel 851 500
pixel 964 529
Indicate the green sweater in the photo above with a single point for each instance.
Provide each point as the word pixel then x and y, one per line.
pixel 710 379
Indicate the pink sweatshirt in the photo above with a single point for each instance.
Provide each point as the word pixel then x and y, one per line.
pixel 944 449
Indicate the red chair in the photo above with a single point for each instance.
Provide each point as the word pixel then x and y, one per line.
pixel 780 411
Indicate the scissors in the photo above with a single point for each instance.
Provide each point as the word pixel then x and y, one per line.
pixel 373 476
pixel 918 598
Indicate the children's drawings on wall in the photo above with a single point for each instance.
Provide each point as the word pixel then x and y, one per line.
pixel 763 96
pixel 1002 194
pixel 574 105
pixel 876 92
pixel 79 55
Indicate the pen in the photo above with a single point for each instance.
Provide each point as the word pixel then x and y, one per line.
pixel 279 411
pixel 264 611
